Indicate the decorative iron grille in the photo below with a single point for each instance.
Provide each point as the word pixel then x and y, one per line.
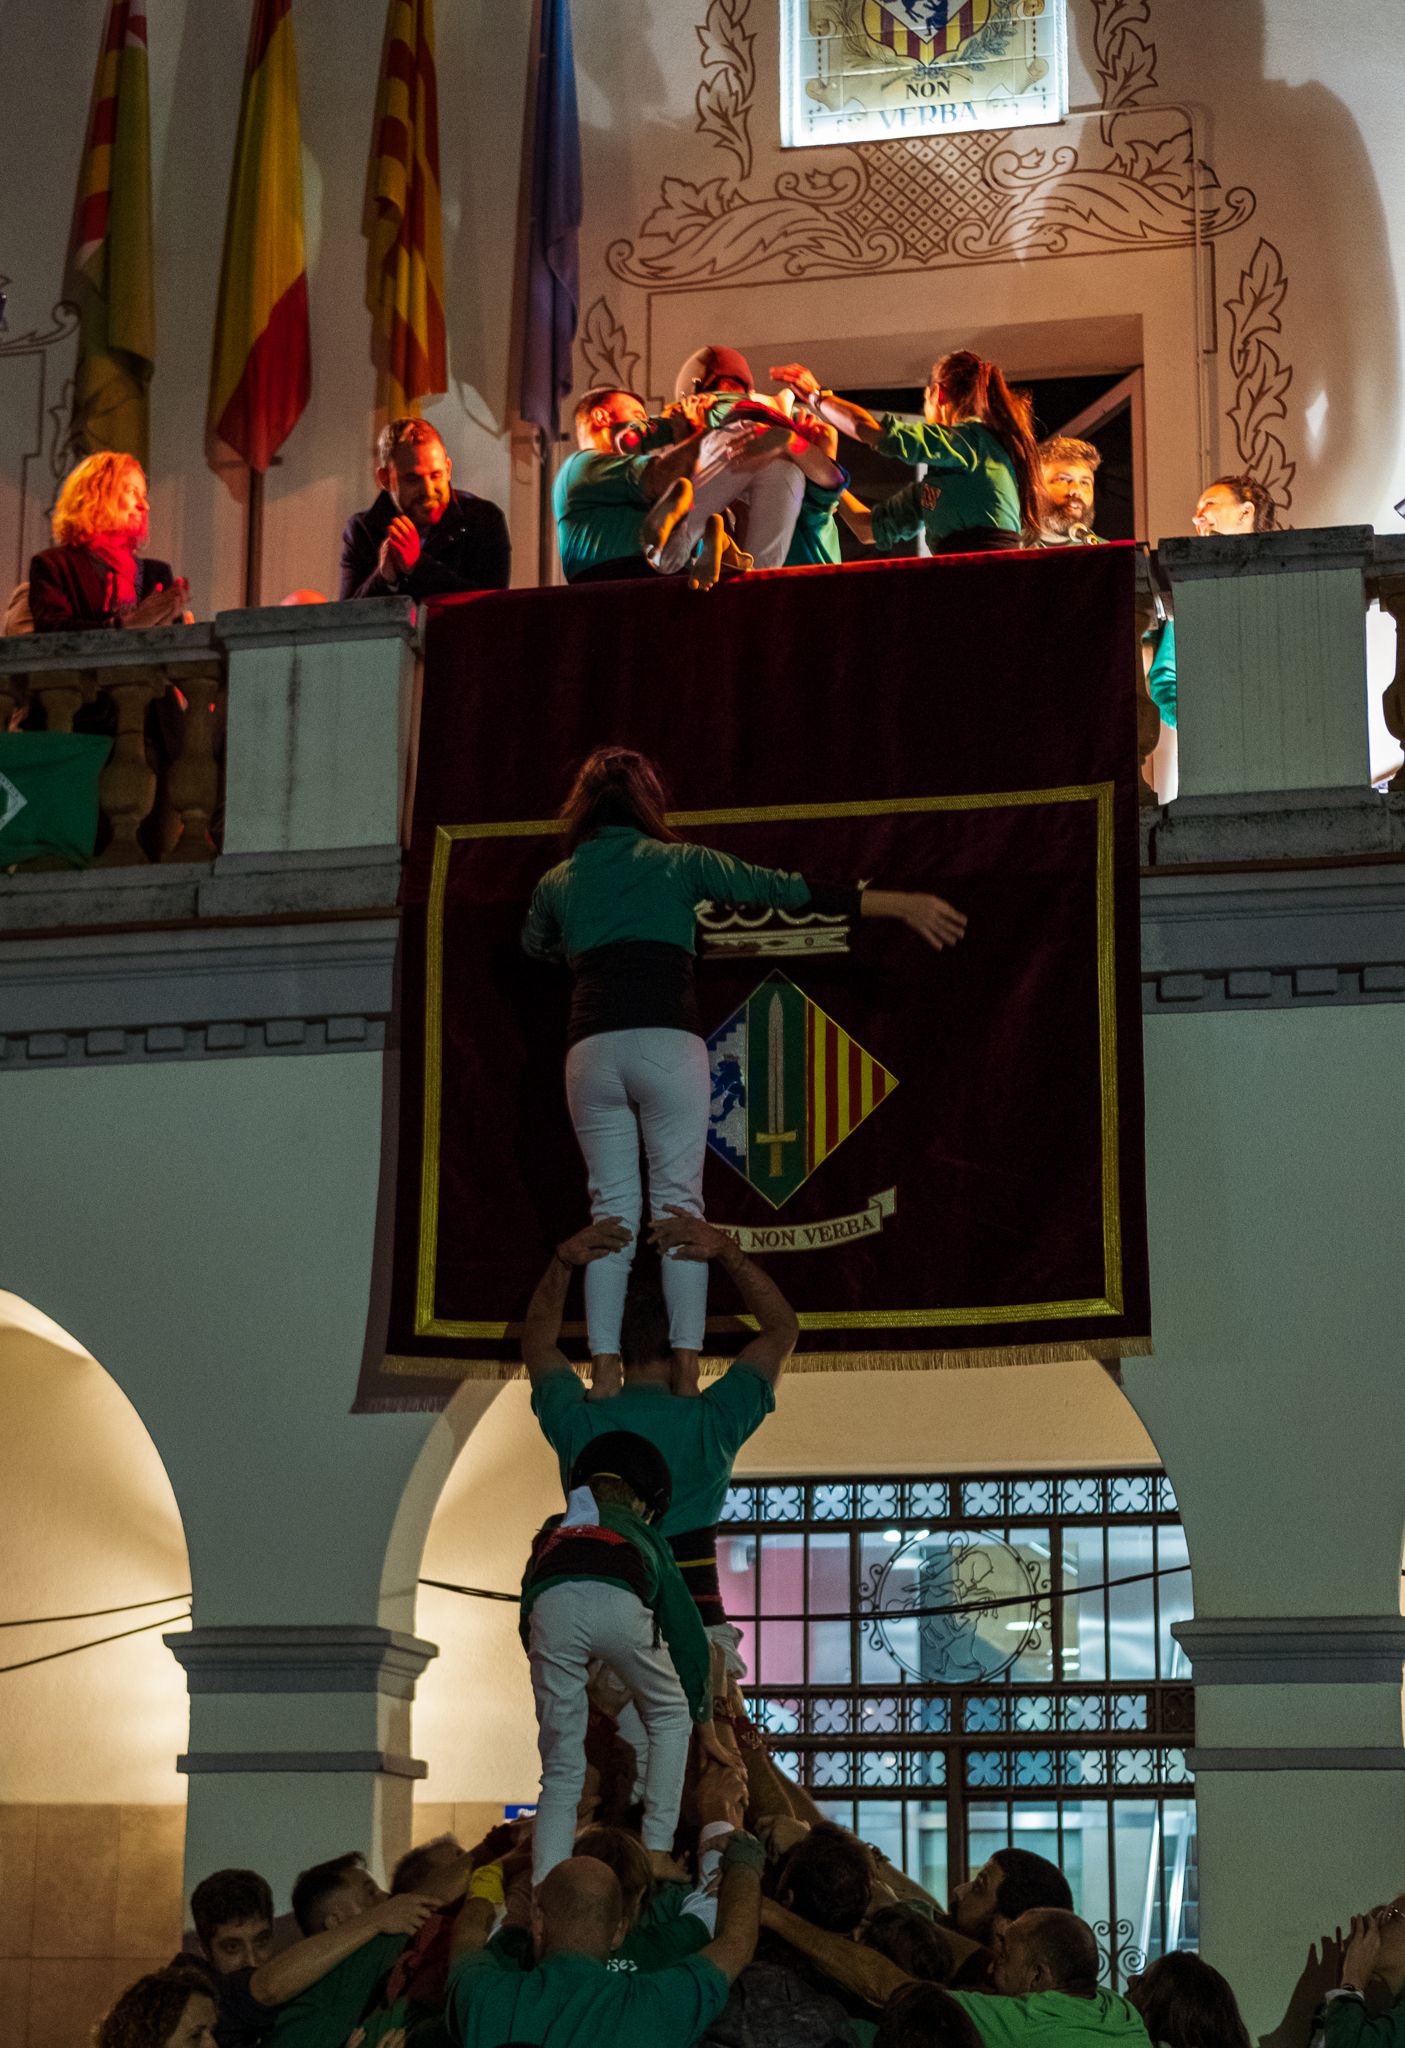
pixel 950 1665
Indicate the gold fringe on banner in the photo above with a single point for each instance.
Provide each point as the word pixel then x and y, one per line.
pixel 1105 1354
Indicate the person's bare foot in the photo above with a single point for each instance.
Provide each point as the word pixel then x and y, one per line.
pixel 684 1376
pixel 606 1376
pixel 663 534
pixel 705 568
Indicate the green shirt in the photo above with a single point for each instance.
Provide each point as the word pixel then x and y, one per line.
pixel 666 1596
pixel 1345 2023
pixel 816 536
pixel 663 1934
pixel 973 475
pixel 599 502
pixel 620 884
pixel 1052 2019
pixel 699 1435
pixel 324 2014
pixel 574 2002
pixel 1161 676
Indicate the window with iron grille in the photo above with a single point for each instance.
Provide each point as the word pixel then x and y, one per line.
pixel 950 1665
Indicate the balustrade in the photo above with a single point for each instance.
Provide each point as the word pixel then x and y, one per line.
pixel 160 695
pixel 318 756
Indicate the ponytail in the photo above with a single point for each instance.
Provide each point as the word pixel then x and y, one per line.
pixel 978 389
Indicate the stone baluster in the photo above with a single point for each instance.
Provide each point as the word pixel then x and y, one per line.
pixel 62 692
pixel 12 699
pixel 1390 592
pixel 127 788
pixel 192 786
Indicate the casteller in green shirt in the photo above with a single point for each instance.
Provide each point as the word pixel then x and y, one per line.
pixel 699 1435
pixel 975 482
pixel 663 1934
pixel 599 502
pixel 1161 676
pixel 324 2014
pixel 815 541
pixel 621 884
pixel 1052 2019
pixel 573 2001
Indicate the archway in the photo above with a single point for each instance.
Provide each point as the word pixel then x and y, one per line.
pixel 92 1810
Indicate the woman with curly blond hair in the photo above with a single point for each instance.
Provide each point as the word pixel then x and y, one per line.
pixel 170 2009
pixel 94 574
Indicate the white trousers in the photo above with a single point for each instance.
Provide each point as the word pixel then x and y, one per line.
pixel 727 1662
pixel 623 1087
pixel 769 496
pixel 571 1625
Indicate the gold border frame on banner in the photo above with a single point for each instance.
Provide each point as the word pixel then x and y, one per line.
pixel 1100 794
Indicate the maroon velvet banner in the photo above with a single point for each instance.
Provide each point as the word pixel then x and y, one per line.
pixel 958 1171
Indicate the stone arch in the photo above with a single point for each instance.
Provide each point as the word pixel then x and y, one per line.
pixel 91 1804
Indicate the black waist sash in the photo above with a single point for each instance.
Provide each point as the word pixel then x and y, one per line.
pixel 695 1554
pixel 635 985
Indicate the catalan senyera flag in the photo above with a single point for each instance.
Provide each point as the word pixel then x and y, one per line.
pixel 261 375
pixel 405 267
pixel 108 274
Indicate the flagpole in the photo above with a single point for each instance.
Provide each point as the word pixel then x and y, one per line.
pixel 253 540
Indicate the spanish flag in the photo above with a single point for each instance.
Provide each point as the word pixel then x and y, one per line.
pixel 261 376
pixel 405 267
pixel 108 274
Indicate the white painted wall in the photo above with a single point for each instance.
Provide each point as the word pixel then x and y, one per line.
pixel 1273 1147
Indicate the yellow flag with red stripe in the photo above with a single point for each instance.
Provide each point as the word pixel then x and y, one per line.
pixel 405 266
pixel 108 274
pixel 261 375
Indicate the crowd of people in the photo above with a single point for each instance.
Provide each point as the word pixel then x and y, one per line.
pixel 724 479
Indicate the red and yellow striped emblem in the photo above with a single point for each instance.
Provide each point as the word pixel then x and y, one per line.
pixel 846 1084
pixel 405 271
pixel 883 25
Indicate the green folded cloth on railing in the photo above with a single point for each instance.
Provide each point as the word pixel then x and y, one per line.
pixel 49 796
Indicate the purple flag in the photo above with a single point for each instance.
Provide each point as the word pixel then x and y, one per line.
pixel 553 262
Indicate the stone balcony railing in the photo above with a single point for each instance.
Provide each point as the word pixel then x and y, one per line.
pixel 282 788
pixel 161 696
pixel 261 764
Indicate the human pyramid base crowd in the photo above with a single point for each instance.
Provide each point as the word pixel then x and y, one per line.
pixel 675 1886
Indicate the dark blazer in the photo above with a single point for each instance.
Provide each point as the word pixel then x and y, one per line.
pixel 68 588
pixel 467 550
